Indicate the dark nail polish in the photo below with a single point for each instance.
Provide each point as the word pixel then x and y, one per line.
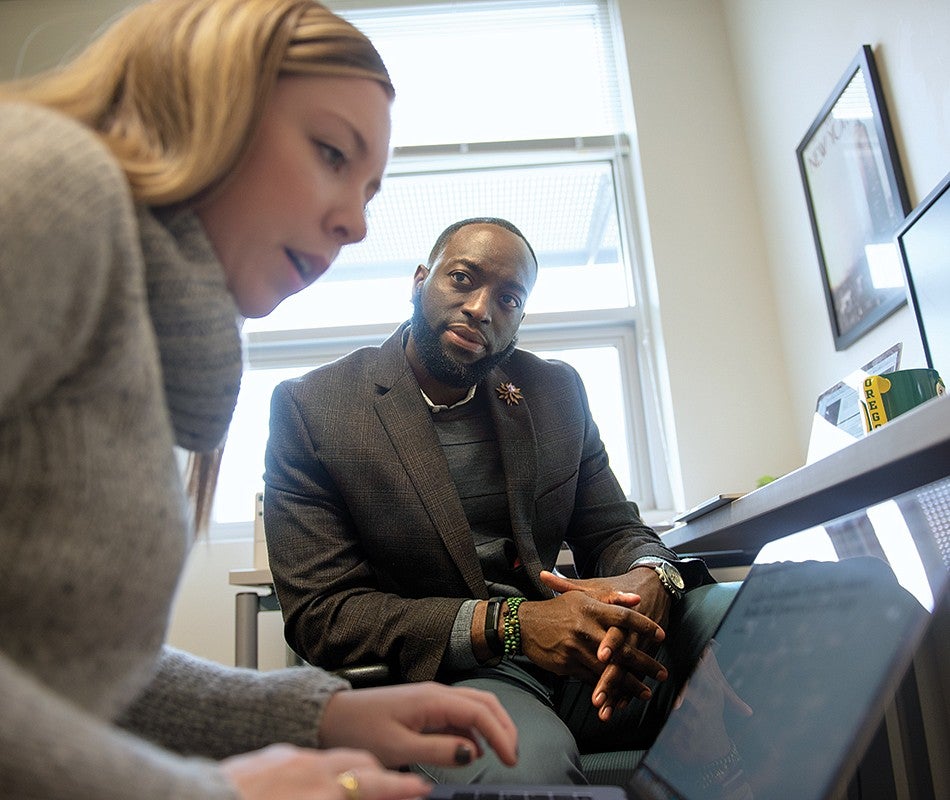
pixel 463 755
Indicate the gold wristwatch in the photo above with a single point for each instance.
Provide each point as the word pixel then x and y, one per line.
pixel 668 574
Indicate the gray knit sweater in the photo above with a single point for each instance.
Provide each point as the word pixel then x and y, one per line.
pixel 117 337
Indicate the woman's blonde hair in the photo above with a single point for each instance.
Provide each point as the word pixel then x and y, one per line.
pixel 176 90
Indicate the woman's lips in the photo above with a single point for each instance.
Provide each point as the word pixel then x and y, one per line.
pixel 309 267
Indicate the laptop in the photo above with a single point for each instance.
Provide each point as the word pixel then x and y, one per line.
pixel 792 687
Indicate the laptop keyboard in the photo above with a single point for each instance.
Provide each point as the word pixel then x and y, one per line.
pixel 581 793
pixel 935 503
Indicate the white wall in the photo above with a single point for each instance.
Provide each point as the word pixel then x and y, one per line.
pixel 203 617
pixel 788 57
pixel 728 378
pixel 724 90
pixel 35 34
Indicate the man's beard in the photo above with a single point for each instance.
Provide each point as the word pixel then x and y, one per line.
pixel 440 365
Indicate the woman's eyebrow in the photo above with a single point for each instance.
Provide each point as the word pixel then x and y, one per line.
pixel 357 139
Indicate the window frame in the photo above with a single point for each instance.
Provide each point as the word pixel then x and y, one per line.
pixel 654 466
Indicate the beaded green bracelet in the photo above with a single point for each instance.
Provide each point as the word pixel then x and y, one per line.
pixel 513 628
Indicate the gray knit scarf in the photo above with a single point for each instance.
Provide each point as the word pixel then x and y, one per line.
pixel 196 323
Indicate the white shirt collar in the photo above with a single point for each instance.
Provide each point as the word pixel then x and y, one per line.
pixel 435 408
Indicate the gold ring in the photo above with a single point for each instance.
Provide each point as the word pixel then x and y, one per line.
pixel 350 784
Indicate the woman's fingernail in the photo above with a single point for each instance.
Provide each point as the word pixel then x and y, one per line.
pixel 463 755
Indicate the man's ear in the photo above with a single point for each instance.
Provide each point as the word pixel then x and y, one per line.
pixel 422 272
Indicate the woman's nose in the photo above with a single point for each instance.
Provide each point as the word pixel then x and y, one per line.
pixel 349 220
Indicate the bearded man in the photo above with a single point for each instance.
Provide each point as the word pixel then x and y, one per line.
pixel 417 495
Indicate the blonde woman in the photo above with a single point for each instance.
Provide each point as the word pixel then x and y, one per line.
pixel 198 163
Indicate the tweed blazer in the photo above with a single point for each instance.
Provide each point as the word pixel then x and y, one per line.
pixel 370 549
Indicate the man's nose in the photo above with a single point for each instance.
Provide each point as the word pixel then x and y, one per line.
pixel 478 305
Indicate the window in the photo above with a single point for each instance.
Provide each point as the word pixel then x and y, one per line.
pixel 509 109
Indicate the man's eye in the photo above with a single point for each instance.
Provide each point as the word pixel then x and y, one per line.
pixel 510 300
pixel 460 278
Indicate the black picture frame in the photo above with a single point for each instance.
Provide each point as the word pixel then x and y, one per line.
pixel 856 198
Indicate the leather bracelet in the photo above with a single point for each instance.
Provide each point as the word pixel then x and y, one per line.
pixel 492 639
pixel 513 628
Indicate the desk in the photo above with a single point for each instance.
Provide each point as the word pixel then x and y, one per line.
pixel 247 605
pixel 907 452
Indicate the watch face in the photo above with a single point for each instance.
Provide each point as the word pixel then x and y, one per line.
pixel 668 574
pixel 674 576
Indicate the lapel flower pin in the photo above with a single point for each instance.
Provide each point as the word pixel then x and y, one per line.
pixel 510 393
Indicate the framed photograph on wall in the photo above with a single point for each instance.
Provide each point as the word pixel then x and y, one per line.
pixel 856 198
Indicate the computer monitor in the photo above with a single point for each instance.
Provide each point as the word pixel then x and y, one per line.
pixel 924 244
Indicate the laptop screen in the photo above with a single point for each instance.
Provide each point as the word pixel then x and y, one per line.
pixel 796 679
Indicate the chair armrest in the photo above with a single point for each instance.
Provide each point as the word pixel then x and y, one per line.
pixel 366 675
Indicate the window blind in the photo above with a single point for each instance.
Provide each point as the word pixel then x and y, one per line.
pixel 496 71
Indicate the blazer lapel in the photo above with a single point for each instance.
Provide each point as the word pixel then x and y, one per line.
pixel 519 456
pixel 407 421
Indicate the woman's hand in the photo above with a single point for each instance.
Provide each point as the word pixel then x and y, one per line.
pixel 420 722
pixel 285 772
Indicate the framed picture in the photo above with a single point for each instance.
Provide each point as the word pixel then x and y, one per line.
pixel 856 199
